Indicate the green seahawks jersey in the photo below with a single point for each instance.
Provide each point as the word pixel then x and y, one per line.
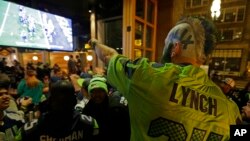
pixel 171 102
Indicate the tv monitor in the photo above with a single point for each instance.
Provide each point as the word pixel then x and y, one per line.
pixel 25 27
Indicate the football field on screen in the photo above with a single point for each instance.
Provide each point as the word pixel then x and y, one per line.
pixel 15 26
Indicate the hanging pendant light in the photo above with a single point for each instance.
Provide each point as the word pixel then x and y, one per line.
pixel 215 9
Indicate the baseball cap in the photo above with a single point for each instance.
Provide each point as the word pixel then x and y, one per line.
pixel 98 82
pixel 229 81
pixel 98 78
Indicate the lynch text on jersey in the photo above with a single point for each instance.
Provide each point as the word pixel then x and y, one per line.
pixel 194 100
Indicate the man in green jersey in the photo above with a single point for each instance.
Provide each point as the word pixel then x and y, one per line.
pixel 175 99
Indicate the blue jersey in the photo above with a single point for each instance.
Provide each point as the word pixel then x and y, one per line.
pixel 10 124
pixel 77 127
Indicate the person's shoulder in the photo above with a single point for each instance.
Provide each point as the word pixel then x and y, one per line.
pixel 233 107
pixel 22 81
pixel 30 130
pixel 30 127
pixel 231 102
pixel 14 115
pixel 119 57
pixel 41 83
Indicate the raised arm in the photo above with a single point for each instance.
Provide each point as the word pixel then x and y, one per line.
pixel 103 52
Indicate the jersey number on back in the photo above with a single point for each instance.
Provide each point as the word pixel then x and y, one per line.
pixel 177 132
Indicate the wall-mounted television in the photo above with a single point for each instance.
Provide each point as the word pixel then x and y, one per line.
pixel 25 27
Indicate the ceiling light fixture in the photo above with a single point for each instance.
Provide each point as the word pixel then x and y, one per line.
pixel 89 57
pixel 35 58
pixel 66 58
pixel 215 9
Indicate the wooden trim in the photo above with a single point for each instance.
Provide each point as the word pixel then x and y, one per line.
pixel 155 29
pixel 129 20
pixel 128 24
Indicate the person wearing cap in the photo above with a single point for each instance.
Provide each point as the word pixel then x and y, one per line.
pixel 98 89
pixel 227 85
pixel 174 99
pixel 111 115
pixel 61 121
pixel 10 121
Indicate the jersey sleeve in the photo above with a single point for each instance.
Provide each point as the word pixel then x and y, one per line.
pixel 89 120
pixel 121 70
pixel 92 122
pixel 29 131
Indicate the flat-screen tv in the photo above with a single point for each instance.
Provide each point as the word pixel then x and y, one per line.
pixel 21 26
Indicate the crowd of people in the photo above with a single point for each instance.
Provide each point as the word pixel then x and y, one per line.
pixel 48 104
pixel 131 100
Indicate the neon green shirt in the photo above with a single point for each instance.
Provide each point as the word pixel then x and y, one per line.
pixel 170 102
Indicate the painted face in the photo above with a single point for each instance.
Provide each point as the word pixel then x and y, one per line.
pixel 98 95
pixel 246 112
pixel 4 99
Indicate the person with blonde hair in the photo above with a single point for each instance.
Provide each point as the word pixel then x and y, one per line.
pixel 30 87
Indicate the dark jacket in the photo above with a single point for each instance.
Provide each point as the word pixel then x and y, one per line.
pixel 70 126
pixel 112 118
